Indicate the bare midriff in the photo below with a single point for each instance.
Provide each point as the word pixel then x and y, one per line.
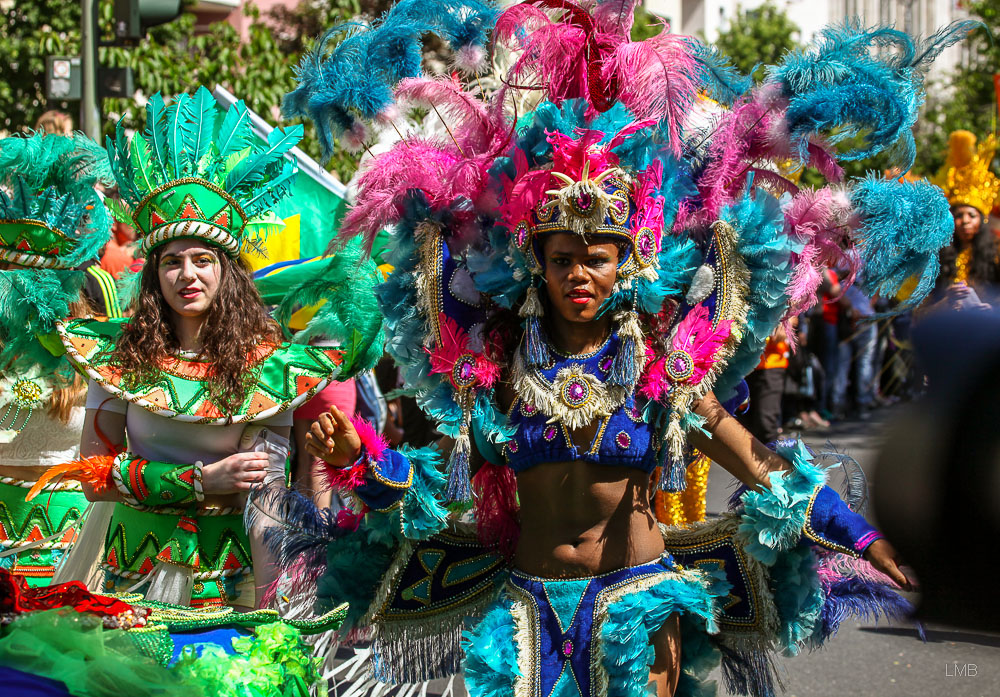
pixel 581 519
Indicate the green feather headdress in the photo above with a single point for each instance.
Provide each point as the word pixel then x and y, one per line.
pixel 195 172
pixel 50 215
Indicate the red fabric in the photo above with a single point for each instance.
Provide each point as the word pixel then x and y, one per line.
pixel 17 597
pixel 341 394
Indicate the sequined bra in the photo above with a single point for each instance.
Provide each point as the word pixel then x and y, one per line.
pixel 572 384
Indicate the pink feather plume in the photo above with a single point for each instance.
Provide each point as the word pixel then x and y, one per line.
pixel 453 345
pixel 659 80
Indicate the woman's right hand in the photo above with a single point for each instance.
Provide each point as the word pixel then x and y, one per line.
pixel 333 439
pixel 234 474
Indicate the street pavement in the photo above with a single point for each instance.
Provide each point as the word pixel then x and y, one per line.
pixel 882 660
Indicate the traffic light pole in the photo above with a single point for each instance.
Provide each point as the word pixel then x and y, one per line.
pixel 90 114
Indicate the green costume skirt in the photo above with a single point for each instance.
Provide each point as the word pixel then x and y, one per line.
pixel 224 573
pixel 52 512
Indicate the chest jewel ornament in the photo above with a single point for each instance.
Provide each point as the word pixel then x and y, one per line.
pixel 576 395
pixel 19 395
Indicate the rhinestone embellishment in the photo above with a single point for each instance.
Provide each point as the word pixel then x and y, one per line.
pixel 680 365
pixel 463 372
pixel 575 393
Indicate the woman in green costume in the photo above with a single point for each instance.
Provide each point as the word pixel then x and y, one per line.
pixel 52 221
pixel 190 401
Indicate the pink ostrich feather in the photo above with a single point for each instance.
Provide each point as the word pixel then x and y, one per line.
pixel 570 155
pixel 453 345
pixel 615 16
pixel 552 55
pixel 655 384
pixel 477 129
pixel 698 339
pixel 523 191
pixel 820 220
pixel 431 166
pixel 730 153
pixel 659 80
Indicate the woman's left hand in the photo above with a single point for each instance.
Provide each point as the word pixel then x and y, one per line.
pixel 884 558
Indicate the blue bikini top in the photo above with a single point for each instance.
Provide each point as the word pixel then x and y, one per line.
pixel 622 439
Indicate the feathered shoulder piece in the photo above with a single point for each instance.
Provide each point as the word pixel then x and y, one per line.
pixel 195 172
pixel 570 126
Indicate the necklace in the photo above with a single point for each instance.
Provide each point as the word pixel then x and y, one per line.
pixel 576 394
pixel 962 262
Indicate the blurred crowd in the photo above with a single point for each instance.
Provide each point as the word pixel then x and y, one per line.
pixel 852 354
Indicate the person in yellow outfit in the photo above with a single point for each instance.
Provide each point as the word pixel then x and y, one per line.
pixel 970 268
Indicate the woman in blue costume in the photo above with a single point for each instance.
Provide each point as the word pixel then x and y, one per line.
pixel 572 288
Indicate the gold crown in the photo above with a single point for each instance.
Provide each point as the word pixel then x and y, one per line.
pixel 965 176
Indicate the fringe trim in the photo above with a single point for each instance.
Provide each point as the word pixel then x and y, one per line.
pixel 534 388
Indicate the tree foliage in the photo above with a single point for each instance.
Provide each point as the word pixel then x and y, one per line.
pixel 758 37
pixel 172 58
pixel 965 99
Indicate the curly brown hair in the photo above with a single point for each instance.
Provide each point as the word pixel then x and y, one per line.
pixel 239 324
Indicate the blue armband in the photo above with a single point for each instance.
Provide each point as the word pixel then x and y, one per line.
pixel 830 523
pixel 385 480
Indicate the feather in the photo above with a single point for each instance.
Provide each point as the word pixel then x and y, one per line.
pixel 256 166
pixel 903 227
pixel 235 133
pixel 94 471
pixel 197 127
pixel 139 157
pixel 156 136
pixel 175 120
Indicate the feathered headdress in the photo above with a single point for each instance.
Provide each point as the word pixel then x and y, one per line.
pixel 194 174
pixel 965 176
pixel 622 139
pixel 51 216
pixel 52 220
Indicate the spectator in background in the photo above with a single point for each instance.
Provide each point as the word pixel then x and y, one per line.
pixel 118 254
pixel 804 380
pixel 55 122
pixel 857 354
pixel 825 337
pixel 767 387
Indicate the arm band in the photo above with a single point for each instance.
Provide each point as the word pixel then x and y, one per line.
pixel 150 483
pixel 830 523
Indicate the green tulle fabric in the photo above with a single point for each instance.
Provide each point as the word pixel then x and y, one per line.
pixel 92 661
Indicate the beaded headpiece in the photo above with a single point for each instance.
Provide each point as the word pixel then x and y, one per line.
pixel 190 175
pixel 965 176
pixel 586 192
